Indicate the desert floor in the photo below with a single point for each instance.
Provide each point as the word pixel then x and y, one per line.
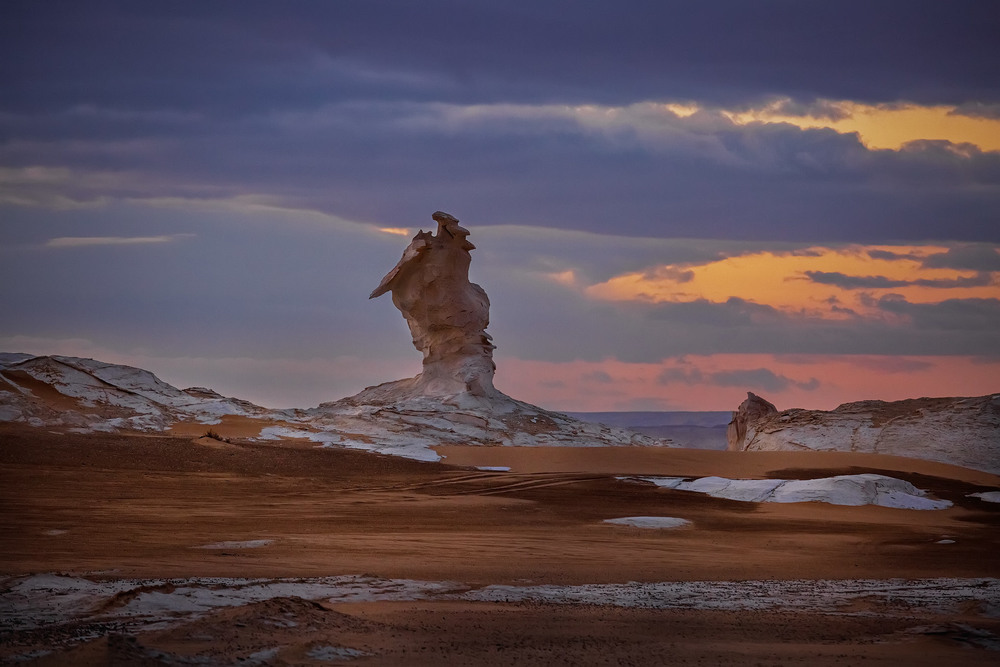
pixel 107 507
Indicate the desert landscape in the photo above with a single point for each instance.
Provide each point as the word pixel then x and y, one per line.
pixel 167 550
pixel 435 520
pixel 697 366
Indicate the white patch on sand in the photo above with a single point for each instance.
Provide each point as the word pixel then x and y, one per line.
pixel 334 653
pixel 283 432
pixel 416 450
pixel 649 521
pixel 987 496
pixel 47 599
pixel 493 468
pixel 263 657
pixel 9 413
pixel 944 596
pixel 866 489
pixel 246 544
pixel 143 604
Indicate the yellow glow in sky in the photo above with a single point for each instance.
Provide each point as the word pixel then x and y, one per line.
pixel 830 283
pixel 682 110
pixel 889 127
pixel 567 278
pixel 398 231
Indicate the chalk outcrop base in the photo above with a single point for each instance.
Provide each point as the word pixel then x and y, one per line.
pixel 961 431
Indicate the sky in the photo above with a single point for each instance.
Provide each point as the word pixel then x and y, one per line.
pixel 673 203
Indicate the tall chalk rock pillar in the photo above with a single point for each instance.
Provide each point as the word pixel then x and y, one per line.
pixel 446 313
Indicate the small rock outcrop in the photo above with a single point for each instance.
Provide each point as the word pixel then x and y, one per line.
pixel 961 431
pixel 749 412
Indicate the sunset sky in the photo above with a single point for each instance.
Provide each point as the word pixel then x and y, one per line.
pixel 673 203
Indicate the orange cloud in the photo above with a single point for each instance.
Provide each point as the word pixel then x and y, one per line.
pixel 885 126
pixel 828 283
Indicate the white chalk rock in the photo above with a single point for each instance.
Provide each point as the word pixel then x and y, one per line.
pixel 960 431
pixel 649 522
pixel 864 489
pixel 447 315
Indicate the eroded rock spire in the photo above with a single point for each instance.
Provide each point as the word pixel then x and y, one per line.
pixel 447 314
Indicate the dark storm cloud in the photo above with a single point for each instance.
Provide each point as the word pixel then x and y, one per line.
pixel 734 312
pixel 595 258
pixel 361 109
pixel 845 281
pixel 957 317
pixel 681 374
pixel 973 257
pixel 888 364
pixel 760 378
pixel 890 255
pixel 977 110
pixel 234 56
pixel 754 378
pixel 646 174
pixel 637 332
pixel 598 377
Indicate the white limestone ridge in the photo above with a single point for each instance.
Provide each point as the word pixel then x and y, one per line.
pixel 962 431
pixel 85 395
pixel 453 399
pixel 89 395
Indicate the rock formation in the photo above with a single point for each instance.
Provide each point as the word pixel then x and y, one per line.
pixel 84 395
pixel 88 395
pixel 446 313
pixel 452 401
pixel 750 410
pixel 961 431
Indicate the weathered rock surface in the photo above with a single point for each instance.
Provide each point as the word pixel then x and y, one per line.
pixel 414 425
pixel 89 395
pixel 961 431
pixel 446 313
pixel 750 410
pixel 86 395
